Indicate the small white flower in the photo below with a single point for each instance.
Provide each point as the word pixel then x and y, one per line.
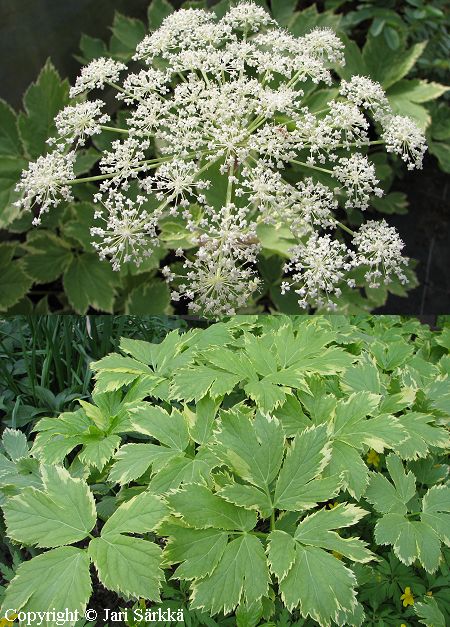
pixel 129 232
pixel 124 160
pixel 366 93
pixel 176 32
pixel 175 181
pixel 44 183
pixel 358 177
pixel 96 74
pixel 405 138
pixel 323 44
pixel 79 122
pixel 379 246
pixel 317 269
pixel 247 17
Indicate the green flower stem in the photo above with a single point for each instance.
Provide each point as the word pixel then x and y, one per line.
pixel 229 188
pixel 312 167
pixel 114 129
pixel 101 177
pixel 345 228
pixel 124 91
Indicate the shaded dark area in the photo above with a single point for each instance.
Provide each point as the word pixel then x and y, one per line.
pixel 33 30
pixel 425 229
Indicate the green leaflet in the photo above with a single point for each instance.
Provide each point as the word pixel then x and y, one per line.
pixel 411 538
pixel 299 485
pixel 57 580
pixel 17 468
pixel 61 513
pixel 129 565
pixel 240 576
pixel 311 594
pixel 428 613
pixel 253 449
pixel 199 507
pixel 306 572
pixel 170 430
pixel 15 443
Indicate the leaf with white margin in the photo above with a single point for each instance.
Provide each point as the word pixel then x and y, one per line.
pixel 58 579
pixel 15 443
pixel 141 514
pixel 411 540
pixel 319 585
pixel 127 565
pixel 436 511
pixel 61 513
pixel 317 530
pixel 241 576
pixel 299 485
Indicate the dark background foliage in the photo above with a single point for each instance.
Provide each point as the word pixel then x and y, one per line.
pixel 33 30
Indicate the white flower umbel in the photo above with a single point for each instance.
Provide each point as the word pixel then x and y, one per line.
pixel 79 122
pixel 221 277
pixel 366 93
pixel 96 74
pixel 222 133
pixel 128 233
pixel 379 247
pixel 359 181
pixel 403 137
pixel 317 269
pixel 44 183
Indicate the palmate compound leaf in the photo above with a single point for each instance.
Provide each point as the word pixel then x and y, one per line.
pixel 56 580
pixel 128 565
pixel 351 430
pixel 411 538
pixel 312 579
pixel 56 438
pixel 226 564
pixel 428 613
pixel 61 513
pixel 253 449
pixel 300 485
pixel 171 464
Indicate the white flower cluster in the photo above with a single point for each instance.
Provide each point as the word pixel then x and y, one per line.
pixel 215 121
pixel 78 122
pixel 45 182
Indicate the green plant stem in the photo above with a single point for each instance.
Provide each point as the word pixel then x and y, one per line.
pixel 345 228
pixel 272 521
pixel 312 167
pixel 114 129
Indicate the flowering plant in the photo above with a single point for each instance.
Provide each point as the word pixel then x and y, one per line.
pixel 215 123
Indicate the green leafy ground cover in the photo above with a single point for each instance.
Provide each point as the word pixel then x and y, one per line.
pixel 261 471
pixel 55 268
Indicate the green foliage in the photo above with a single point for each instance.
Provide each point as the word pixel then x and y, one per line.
pixel 44 360
pixel 391 28
pixel 54 267
pixel 274 506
